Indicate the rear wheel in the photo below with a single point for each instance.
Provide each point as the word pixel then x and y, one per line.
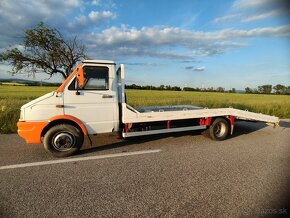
pixel 63 140
pixel 219 129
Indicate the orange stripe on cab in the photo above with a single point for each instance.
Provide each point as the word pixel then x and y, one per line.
pixel 63 85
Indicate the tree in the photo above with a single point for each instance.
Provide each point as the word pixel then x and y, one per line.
pixel 220 89
pixel 280 89
pixel 45 50
pixel 211 89
pixel 162 87
pixel 265 89
pixel 248 90
pixel 168 87
pixel 288 90
pixel 255 91
pixel 176 88
pixel 233 90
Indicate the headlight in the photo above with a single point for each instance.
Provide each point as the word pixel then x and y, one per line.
pixel 21 114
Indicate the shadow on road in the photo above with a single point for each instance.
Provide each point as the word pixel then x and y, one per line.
pixel 244 128
pixel 101 143
pixel 284 124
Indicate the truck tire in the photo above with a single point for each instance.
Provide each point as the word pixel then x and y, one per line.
pixel 219 129
pixel 63 140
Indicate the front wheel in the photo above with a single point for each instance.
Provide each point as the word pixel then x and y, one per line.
pixel 63 140
pixel 219 129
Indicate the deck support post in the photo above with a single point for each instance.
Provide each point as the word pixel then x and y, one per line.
pixel 232 122
pixel 168 124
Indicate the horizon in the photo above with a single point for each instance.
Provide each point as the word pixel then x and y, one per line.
pixel 230 44
pixel 144 87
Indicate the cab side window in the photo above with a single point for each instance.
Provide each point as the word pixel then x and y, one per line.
pixel 97 78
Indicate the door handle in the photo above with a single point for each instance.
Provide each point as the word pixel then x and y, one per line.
pixel 108 96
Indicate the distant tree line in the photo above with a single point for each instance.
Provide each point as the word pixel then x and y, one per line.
pixel 268 89
pixel 177 88
pixel 27 83
pixel 264 89
pixel 211 89
pixel 147 87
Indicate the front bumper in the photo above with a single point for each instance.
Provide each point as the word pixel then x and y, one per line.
pixel 31 131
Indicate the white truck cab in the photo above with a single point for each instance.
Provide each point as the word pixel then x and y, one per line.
pixel 92 101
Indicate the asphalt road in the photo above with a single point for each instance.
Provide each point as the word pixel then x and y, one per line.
pixel 189 175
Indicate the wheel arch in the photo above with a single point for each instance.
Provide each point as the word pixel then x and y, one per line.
pixel 65 119
pixel 208 121
pixel 227 119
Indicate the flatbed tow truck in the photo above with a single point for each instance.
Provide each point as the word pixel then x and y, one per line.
pixel 92 101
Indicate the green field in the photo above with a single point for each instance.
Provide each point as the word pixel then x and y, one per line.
pixel 12 97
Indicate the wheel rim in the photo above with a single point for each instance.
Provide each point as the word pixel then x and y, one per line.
pixel 220 129
pixel 63 142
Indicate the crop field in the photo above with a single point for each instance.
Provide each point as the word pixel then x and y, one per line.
pixel 12 97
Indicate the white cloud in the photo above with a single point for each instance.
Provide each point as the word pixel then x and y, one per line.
pixel 202 68
pixel 100 16
pixel 253 10
pixel 281 31
pixel 177 36
pixel 262 16
pixel 242 4
pixel 48 8
pixel 15 17
pixel 93 18
pixel 199 68
pixel 95 2
pixel 164 42
pixel 226 18
pixel 260 4
pixel 124 41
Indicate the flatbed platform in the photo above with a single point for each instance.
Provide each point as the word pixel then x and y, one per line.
pixel 132 115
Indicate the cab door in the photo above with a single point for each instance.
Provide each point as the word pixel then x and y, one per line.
pixel 95 104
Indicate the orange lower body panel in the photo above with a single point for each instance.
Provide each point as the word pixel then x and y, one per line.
pixel 31 131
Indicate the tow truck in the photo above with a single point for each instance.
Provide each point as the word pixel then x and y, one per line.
pixel 92 101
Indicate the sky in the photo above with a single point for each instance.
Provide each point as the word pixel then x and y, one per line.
pixel 196 43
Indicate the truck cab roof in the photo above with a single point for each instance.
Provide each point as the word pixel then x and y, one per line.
pixel 99 61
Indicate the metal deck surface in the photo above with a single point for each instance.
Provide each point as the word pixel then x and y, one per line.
pixel 147 109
